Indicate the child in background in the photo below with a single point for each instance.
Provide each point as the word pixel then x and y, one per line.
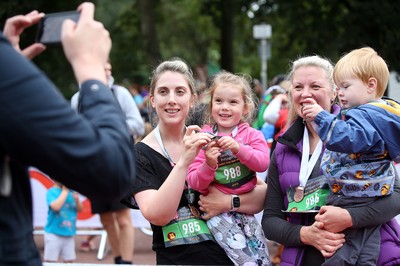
pixel 361 146
pixel 60 228
pixel 230 162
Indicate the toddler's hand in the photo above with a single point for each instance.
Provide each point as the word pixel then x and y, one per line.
pixel 228 143
pixel 212 153
pixel 310 109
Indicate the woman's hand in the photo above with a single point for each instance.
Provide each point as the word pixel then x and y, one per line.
pixel 326 242
pixel 16 25
pixel 214 203
pixel 193 142
pixel 334 219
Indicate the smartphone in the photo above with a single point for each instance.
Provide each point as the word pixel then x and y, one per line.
pixel 49 28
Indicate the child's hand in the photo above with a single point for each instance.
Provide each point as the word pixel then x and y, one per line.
pixel 311 109
pixel 228 143
pixel 212 153
pixel 75 195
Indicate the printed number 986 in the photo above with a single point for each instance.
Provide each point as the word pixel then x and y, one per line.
pixel 312 200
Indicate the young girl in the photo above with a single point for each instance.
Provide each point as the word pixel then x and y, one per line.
pixel 230 162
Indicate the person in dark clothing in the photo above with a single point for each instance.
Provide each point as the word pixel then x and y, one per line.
pixel 40 129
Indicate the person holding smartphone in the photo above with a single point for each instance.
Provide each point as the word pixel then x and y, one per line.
pixel 40 129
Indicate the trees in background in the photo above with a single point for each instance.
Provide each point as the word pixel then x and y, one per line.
pixel 213 34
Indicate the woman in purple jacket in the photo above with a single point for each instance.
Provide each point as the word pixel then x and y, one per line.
pixel 294 214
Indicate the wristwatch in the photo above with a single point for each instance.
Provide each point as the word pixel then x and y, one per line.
pixel 235 203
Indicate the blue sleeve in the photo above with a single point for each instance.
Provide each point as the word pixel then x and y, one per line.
pixel 89 152
pixel 356 134
pixel 52 194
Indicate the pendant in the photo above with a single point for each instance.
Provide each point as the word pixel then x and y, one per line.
pixel 298 194
pixel 190 196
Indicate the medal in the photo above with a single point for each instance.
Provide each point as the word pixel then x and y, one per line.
pixel 194 211
pixel 190 197
pixel 298 194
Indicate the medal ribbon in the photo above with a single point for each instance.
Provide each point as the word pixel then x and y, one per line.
pixel 160 142
pixel 307 166
pixel 189 194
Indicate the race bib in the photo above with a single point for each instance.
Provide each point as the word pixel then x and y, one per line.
pixel 186 229
pixel 310 198
pixel 231 172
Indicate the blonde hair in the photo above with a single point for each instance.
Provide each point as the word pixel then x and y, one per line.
pixel 177 65
pixel 316 61
pixel 363 63
pixel 174 64
pixel 240 80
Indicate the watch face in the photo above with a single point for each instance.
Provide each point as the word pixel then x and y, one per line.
pixel 236 202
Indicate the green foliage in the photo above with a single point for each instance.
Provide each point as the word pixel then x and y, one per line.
pixel 191 29
pixel 188 33
pixel 331 28
pixel 127 55
pixel 52 61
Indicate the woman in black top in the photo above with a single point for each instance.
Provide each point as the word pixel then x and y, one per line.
pixel 180 236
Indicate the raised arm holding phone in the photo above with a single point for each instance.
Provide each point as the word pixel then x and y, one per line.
pixel 40 129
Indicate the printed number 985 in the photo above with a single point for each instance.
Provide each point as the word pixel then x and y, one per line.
pixel 191 227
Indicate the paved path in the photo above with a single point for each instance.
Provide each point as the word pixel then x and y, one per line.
pixel 142 255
